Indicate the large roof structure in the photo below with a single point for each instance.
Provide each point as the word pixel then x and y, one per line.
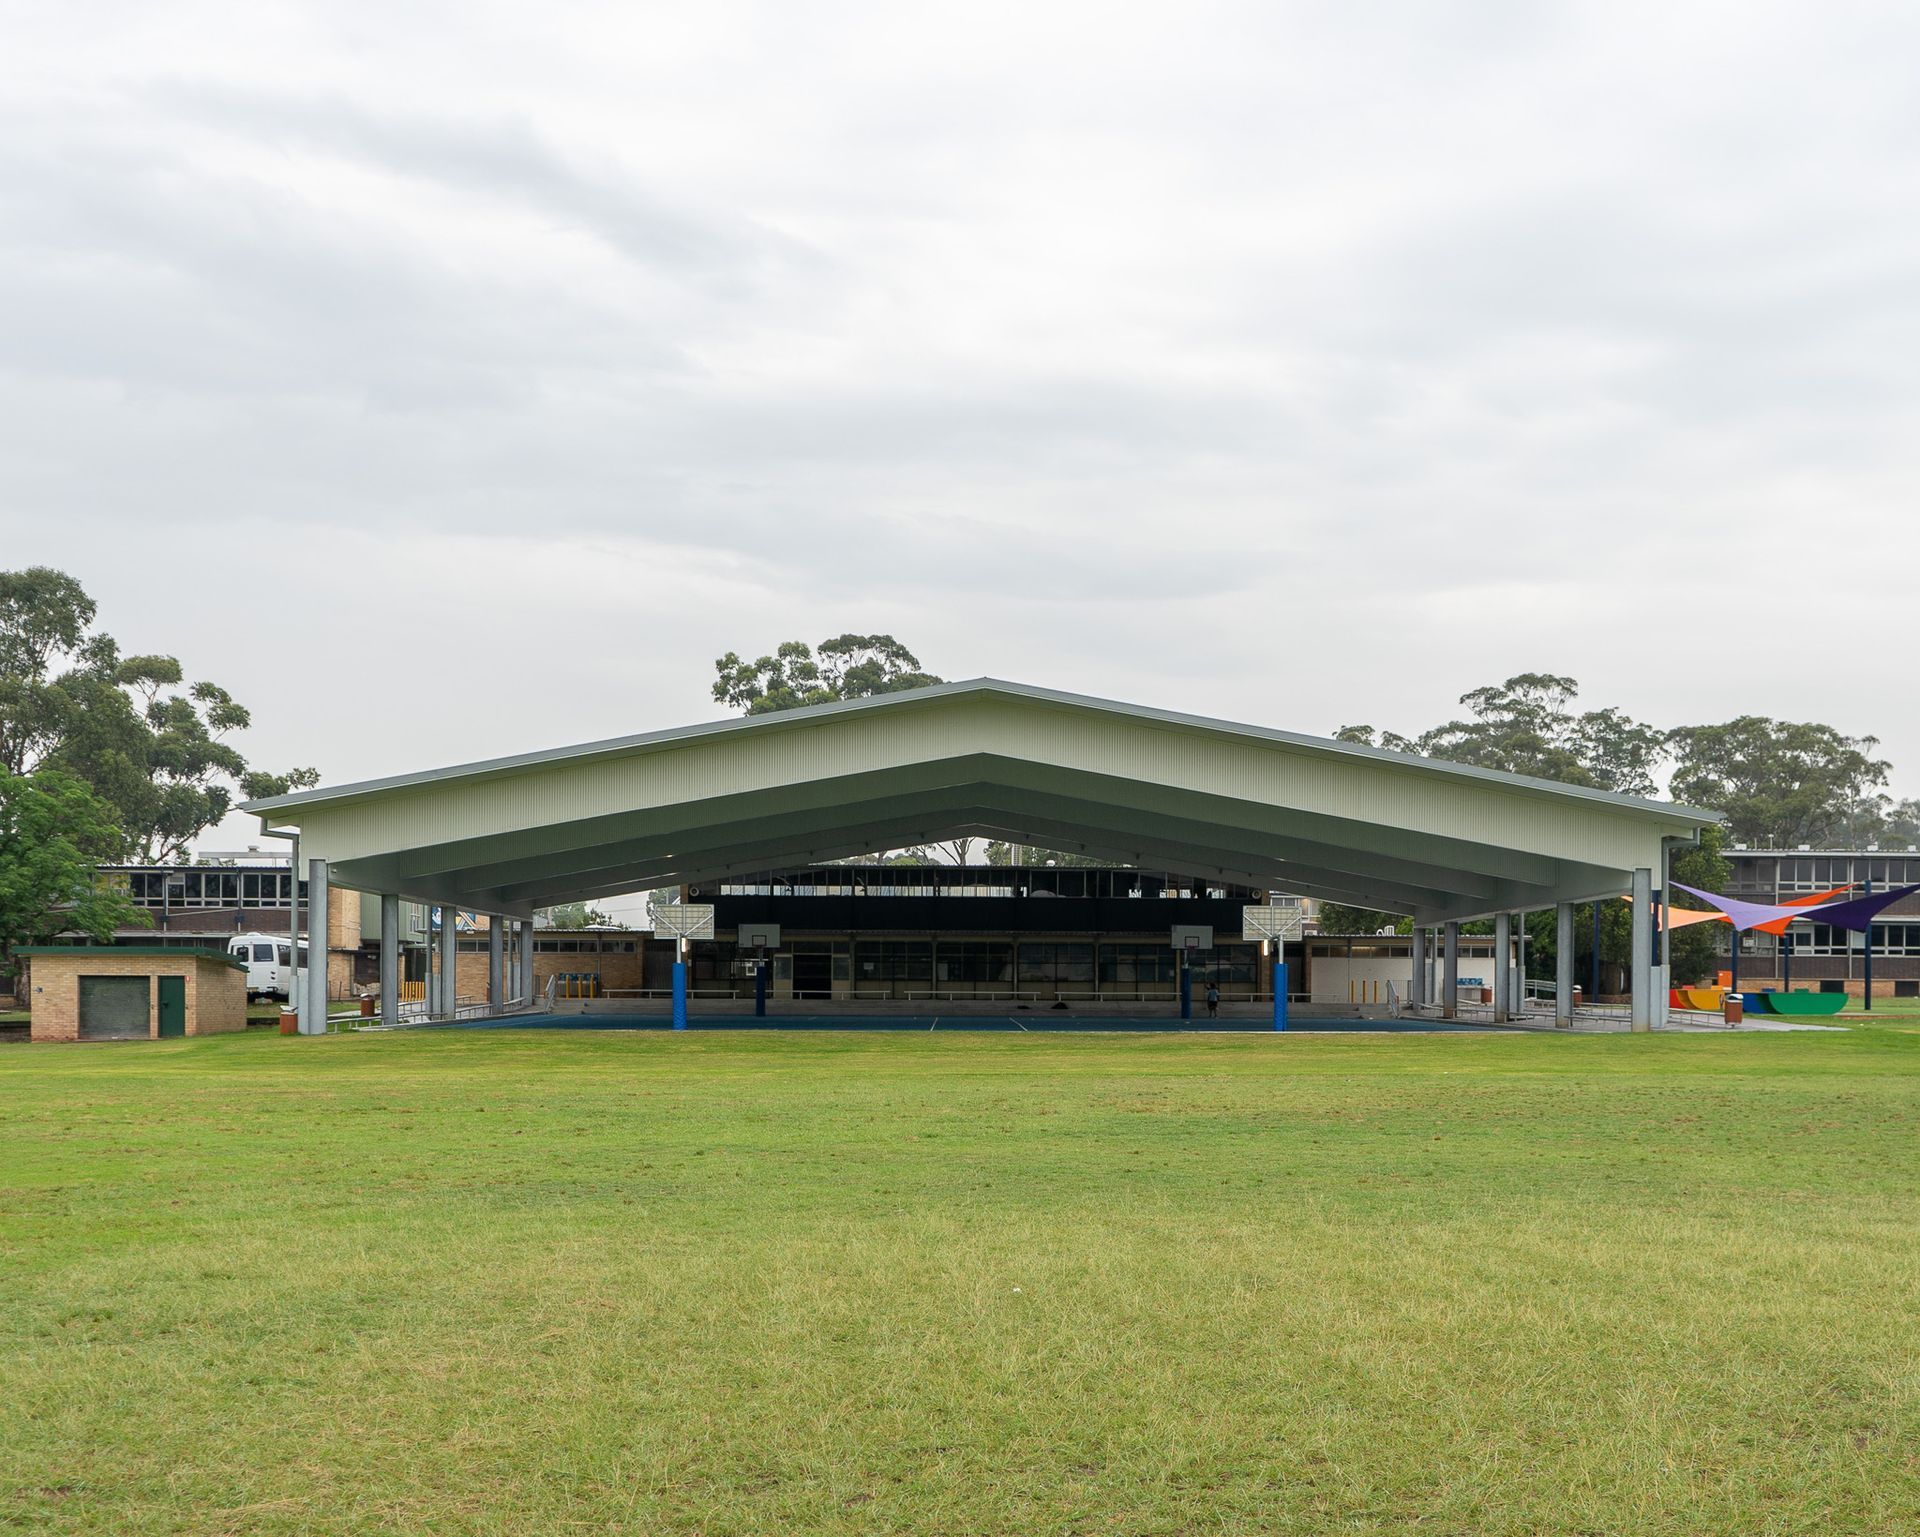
pixel 986 758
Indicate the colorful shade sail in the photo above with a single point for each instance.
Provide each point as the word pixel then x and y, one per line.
pixel 1779 925
pixel 1681 917
pixel 1746 915
pixel 1856 914
pixel 1861 911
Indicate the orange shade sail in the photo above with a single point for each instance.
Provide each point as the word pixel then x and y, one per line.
pixel 1683 917
pixel 1779 925
pixel 1686 917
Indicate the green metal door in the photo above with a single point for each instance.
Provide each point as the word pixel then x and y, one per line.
pixel 173 1006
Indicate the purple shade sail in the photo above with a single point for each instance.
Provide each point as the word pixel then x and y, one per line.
pixel 1858 913
pixel 1747 915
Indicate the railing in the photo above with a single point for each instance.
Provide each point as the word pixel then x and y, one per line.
pixel 415 1012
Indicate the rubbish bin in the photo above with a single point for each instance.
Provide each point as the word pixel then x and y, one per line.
pixel 289 1021
pixel 1734 1009
pixel 368 1007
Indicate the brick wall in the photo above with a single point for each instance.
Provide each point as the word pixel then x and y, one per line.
pixel 616 970
pixel 216 992
pixel 216 999
pixel 343 919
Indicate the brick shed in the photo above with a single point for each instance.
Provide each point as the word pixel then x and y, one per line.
pixel 132 993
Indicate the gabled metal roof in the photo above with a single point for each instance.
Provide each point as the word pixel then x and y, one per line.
pixel 920 698
pixel 982 758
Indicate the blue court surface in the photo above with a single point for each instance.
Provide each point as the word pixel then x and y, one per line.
pixel 1042 1022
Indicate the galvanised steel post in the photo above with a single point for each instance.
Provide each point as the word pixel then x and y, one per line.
pixel 389 958
pixel 1563 965
pixel 449 962
pixel 1593 961
pixel 1640 1012
pixel 1868 1000
pixel 313 1018
pixel 1502 967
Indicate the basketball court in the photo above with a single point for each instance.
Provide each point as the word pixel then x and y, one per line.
pixel 1040 1022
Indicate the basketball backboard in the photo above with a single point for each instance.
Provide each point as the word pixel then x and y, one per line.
pixel 1281 923
pixel 684 920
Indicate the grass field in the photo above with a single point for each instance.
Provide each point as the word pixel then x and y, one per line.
pixel 515 1283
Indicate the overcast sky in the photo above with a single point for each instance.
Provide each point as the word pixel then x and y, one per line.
pixel 454 379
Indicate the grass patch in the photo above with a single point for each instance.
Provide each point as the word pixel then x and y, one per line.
pixel 520 1282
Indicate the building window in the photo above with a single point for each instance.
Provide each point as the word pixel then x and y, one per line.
pixel 975 960
pixel 1234 963
pixel 1045 965
pixel 893 960
pixel 1131 965
pixel 713 960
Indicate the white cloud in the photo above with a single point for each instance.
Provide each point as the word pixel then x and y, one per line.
pixel 1303 364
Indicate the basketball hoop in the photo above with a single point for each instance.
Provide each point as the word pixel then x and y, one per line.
pixel 1280 924
pixel 684 922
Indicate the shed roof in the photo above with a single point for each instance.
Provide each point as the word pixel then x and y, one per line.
pixel 1133 783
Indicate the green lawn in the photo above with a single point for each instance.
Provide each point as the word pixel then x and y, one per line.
pixel 528 1283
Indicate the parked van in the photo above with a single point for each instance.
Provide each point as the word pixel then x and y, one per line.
pixel 269 960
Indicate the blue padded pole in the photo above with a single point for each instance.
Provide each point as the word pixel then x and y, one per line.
pixel 679 995
pixel 1186 989
pixel 1279 987
pixel 760 989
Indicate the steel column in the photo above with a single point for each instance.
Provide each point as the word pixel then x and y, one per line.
pixel 1593 963
pixel 313 1012
pixel 1563 965
pixel 1502 967
pixel 449 962
pixel 526 959
pixel 1640 1013
pixel 496 960
pixel 389 958
pixel 1867 995
pixel 1450 971
pixel 296 995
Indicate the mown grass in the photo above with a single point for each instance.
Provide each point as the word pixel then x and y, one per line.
pixel 512 1283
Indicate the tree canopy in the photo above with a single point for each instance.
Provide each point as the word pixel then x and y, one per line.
pixel 1527 725
pixel 578 915
pixel 1778 783
pixel 1785 783
pixel 153 746
pixel 54 834
pixel 796 674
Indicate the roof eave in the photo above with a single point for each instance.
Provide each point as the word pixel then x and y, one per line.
pixel 267 807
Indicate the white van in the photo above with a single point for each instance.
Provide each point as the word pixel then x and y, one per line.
pixel 269 960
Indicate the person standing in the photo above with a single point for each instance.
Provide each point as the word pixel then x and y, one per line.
pixel 1213 1000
